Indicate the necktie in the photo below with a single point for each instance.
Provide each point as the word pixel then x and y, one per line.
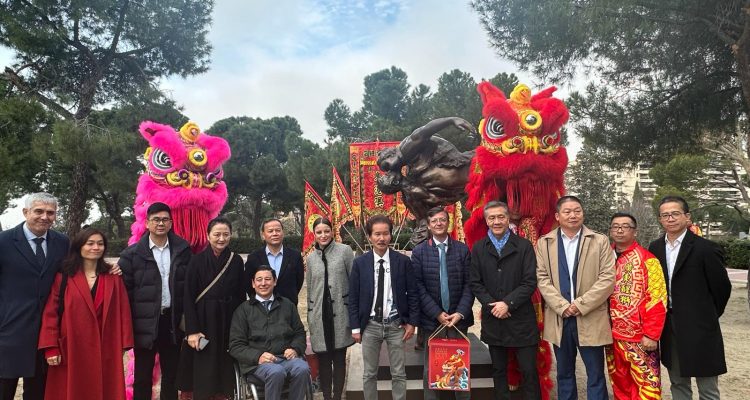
pixel 267 304
pixel 379 299
pixel 39 250
pixel 445 294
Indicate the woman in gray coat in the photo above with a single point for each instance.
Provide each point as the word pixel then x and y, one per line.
pixel 327 277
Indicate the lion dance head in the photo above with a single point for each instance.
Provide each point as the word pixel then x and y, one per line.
pixel 520 159
pixel 184 171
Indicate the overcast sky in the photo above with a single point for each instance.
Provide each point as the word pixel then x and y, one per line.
pixel 292 57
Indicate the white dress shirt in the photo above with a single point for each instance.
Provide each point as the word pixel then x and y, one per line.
pixel 571 248
pixel 388 309
pixel 163 261
pixel 673 249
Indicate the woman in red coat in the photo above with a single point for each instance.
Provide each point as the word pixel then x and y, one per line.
pixel 84 345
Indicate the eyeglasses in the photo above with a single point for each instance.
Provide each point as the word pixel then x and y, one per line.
pixel 673 215
pixel 500 217
pixel 623 228
pixel 437 220
pixel 159 221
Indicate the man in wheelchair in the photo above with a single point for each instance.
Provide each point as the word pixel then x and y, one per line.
pixel 267 338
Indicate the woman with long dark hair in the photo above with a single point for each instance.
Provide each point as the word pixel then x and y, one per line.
pixel 327 277
pixel 86 325
pixel 214 286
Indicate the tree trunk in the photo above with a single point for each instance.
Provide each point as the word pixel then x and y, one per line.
pixel 76 214
pixel 257 217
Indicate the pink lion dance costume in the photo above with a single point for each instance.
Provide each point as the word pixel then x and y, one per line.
pixel 183 171
pixel 520 161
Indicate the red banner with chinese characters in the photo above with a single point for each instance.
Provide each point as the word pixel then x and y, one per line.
pixel 367 199
pixel 341 205
pixel 315 207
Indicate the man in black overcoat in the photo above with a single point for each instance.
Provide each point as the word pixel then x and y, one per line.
pixel 698 290
pixel 503 278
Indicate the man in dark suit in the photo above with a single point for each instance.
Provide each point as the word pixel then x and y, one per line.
pixel 285 261
pixel 441 268
pixel 30 256
pixel 383 306
pixel 503 278
pixel 698 290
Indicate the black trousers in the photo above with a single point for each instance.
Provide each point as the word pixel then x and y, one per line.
pixel 332 367
pixel 33 387
pixel 169 354
pixel 526 357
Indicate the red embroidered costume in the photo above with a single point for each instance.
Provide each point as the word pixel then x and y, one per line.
pixel 637 307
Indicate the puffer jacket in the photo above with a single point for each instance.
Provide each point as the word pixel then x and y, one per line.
pixel 255 331
pixel 425 262
pixel 143 283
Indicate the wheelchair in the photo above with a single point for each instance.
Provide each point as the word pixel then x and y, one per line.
pixel 252 388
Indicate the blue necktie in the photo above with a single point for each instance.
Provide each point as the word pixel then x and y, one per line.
pixel 40 256
pixel 445 294
pixel 267 304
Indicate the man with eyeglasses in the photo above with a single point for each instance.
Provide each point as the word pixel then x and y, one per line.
pixel 441 269
pixel 576 274
pixel 153 270
pixel 698 289
pixel 637 307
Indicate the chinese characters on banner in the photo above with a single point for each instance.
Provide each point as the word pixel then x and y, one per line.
pixel 367 199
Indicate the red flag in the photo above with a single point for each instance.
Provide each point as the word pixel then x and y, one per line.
pixel 367 199
pixel 315 207
pixel 341 205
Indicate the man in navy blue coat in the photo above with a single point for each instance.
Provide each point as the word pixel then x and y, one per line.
pixel 383 306
pixel 30 256
pixel 442 270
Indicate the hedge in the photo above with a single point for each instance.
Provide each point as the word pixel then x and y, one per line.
pixel 737 253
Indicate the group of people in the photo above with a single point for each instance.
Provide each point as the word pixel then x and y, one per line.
pixel 67 316
pixel 622 307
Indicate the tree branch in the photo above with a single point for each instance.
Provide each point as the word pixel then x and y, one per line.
pixel 18 82
pixel 118 31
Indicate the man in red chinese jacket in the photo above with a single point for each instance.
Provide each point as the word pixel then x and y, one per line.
pixel 638 310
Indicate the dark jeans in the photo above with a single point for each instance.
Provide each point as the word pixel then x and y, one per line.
pixel 33 387
pixel 593 359
pixel 526 357
pixel 168 359
pixel 332 367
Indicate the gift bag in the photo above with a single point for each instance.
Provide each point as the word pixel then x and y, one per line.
pixel 449 360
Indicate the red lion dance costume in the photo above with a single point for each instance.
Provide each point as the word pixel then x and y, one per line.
pixel 520 161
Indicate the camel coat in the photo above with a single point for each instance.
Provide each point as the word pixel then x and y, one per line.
pixel 595 281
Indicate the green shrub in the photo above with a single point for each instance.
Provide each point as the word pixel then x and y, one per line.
pixel 736 253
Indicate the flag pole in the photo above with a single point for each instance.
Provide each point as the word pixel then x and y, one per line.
pixel 353 239
pixel 401 226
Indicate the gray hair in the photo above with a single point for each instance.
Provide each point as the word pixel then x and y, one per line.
pixel 40 197
pixel 495 204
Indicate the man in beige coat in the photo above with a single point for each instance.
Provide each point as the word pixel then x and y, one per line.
pixel 576 274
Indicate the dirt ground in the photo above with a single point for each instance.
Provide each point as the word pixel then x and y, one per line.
pixel 735 325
